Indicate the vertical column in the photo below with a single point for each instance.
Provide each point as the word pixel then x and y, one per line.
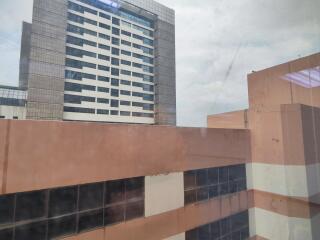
pixel 165 73
pixel 25 54
pixel 47 60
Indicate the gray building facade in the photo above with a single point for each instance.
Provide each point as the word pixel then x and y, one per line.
pixel 67 80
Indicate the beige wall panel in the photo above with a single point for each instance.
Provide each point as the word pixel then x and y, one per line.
pixel 163 193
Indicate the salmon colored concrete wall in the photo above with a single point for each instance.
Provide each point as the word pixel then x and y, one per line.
pixel 47 154
pixel 311 133
pixel 230 120
pixel 173 222
pixel 3 136
pixel 268 88
pixel 285 134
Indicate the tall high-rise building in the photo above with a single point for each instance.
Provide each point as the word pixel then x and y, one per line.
pixel 100 60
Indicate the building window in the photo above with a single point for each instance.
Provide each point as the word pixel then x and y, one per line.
pixel 124 92
pixel 103 79
pixel 116 31
pixel 115 61
pixel 102 112
pixel 125 103
pixel 114 103
pixel 126 33
pixel 79 110
pixel 103 89
pixel 105 26
pixel 115 71
pixel 103 100
pixel 124 113
pixel 114 82
pixel 105 47
pixel 232 227
pixel 56 213
pixel 114 112
pixel 204 184
pixel 116 21
pixel 104 57
pixel 115 51
pixel 103 15
pixel 30 205
pixel 125 82
pixel 104 36
pixel 114 92
pixel 124 52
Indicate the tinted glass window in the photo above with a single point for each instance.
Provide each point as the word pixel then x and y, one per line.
pixel 34 231
pixel 62 226
pixel 30 205
pixel 63 201
pixel 90 196
pixel 114 214
pixel 90 220
pixel 6 234
pixel 134 210
pixel 6 209
pixel 115 192
pixel 134 188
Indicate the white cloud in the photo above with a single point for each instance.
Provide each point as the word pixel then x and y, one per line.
pixel 254 33
pixel 218 43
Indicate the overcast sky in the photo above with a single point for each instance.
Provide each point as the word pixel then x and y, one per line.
pixel 218 43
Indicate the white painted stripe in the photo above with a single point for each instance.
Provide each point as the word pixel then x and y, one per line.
pixel 163 193
pixel 181 236
pixel 293 181
pixel 278 227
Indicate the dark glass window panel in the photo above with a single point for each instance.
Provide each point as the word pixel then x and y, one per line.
pixel 225 227
pixel 202 177
pixel 192 235
pixel 134 188
pixel 62 226
pixel 63 201
pixel 213 176
pixel 189 179
pixel 114 192
pixel 90 220
pixel 114 103
pixel 6 234
pixel 203 194
pixel 134 210
pixel 213 191
pixel 228 237
pixel 233 187
pixel 30 205
pixel 90 196
pixel 239 221
pixel 215 230
pixel 223 189
pixel 241 185
pixel 6 209
pixel 236 235
pixel 114 214
pixel 114 82
pixel 237 172
pixel 116 21
pixel 34 231
pixel 190 196
pixel 204 232
pixel 223 174
pixel 245 233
